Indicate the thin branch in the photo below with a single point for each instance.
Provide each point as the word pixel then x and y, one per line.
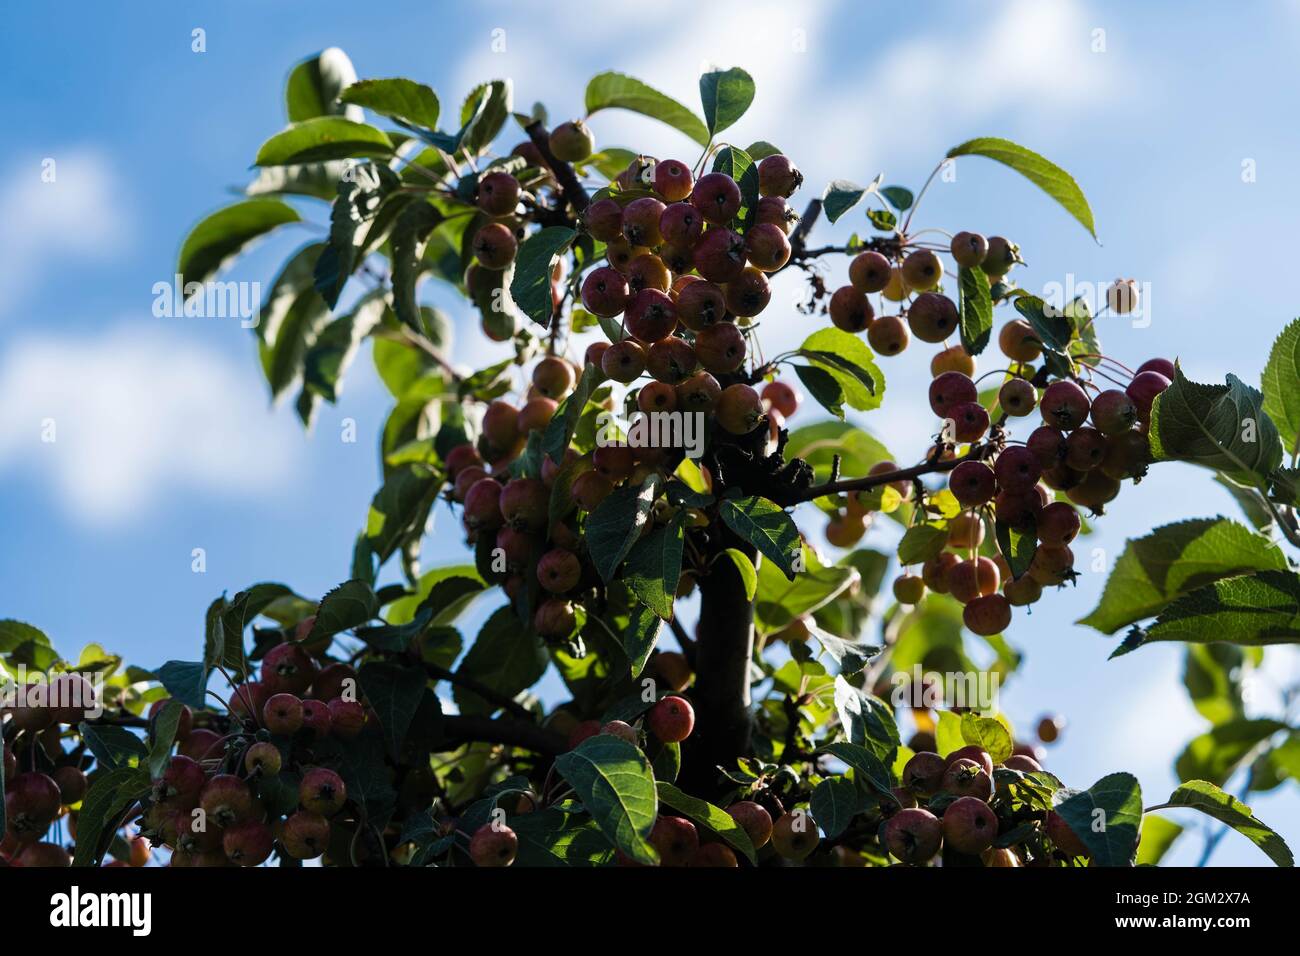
pixel 929 467
pixel 460 728
pixel 482 690
pixel 570 187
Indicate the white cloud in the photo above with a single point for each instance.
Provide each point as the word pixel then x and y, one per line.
pixel 138 415
pixel 75 214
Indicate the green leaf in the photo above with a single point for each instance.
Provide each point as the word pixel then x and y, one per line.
pixel 1253 610
pixel 1223 427
pixel 1053 328
pixel 1225 808
pixel 1213 675
pixel 867 720
pixel 367 776
pixel 947 735
pixel 400 99
pixel 976 309
pixel 109 796
pixel 1251 502
pixel 220 237
pixel 531 285
pixel 713 819
pixel 640 636
pixel 766 526
pixel 240 613
pixel 824 387
pixel 726 94
pixel 291 320
pixel 1174 560
pixel 407 243
pixel 504 658
pixel 617 91
pixel 1043 173
pixel 1158 835
pixel 314 86
pixel 616 524
pixel 613 780
pixel 484 112
pixel 989 733
pixel 833 803
pixel 818 445
pixel 920 543
pixel 840 196
pixel 778 599
pixel 552 837
pixel 1281 385
pixel 738 164
pixel 559 433
pixel 1106 817
pixel 164 735
pixel 112 746
pixel 848 360
pixel 186 681
pixel 883 219
pixel 869 772
pixel 898 197
pixel 654 566
pixel 1018 546
pixel 328 358
pixel 359 199
pixel 1216 754
pixel 760 149
pixel 349 605
pixel 323 138
pixel 395 693
pixel 399 508
pixel 746 568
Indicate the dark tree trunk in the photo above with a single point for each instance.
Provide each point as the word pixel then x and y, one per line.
pixel 721 692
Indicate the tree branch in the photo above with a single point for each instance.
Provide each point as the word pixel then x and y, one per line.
pixel 482 690
pixel 461 728
pixel 570 188
pixel 931 466
pixel 812 212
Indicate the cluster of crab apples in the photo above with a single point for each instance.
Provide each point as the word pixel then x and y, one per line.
pixel 953 804
pixel 220 799
pixel 669 721
pixel 1090 438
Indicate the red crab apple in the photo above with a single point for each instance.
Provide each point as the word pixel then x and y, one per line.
pixel 287 669
pixel 322 791
pixel 794 836
pixel 347 717
pixel 248 843
pixel 969 826
pixel 675 839
pixel 305 835
pixel 283 714
pixel 263 759
pixel 913 835
pixel 966 778
pixel 754 820
pixel 672 719
pixel 493 844
pixel 924 772
pixel 226 800
pixel 714 854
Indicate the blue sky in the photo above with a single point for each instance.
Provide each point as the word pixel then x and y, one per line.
pixel 165 438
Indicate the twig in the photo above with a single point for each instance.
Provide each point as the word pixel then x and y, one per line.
pixel 482 690
pixel 570 188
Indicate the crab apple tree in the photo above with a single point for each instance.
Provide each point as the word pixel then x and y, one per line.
pixel 644 522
